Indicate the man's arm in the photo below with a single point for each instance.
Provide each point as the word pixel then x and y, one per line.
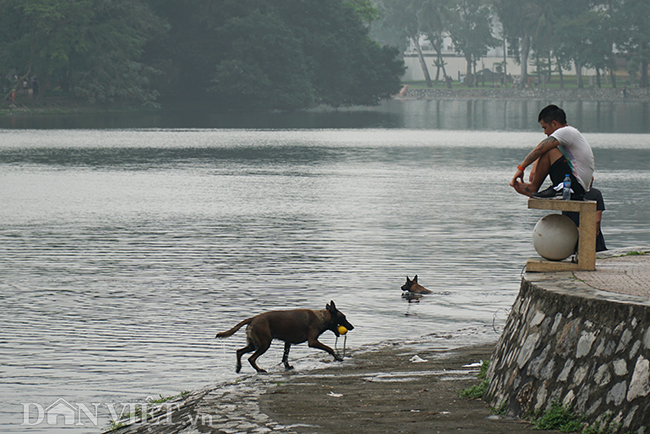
pixel 543 147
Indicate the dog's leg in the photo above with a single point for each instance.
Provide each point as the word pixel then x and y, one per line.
pixel 260 350
pixel 247 349
pixel 317 344
pixel 285 357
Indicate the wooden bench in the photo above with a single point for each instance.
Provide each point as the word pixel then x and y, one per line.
pixel 586 241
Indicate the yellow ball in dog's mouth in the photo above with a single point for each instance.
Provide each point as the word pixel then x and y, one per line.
pixel 342 330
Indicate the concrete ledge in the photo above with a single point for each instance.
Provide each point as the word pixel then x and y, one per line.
pixel 571 342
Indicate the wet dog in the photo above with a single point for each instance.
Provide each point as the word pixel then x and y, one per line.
pixel 413 287
pixel 292 327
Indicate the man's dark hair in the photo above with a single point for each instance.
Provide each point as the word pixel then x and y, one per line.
pixel 552 113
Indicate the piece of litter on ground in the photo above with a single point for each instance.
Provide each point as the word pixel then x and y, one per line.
pixel 335 395
pixel 417 359
pixel 474 365
pixel 415 411
pixel 445 412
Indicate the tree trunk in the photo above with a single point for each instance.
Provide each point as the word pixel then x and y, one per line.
pixel 440 64
pixel 612 77
pixel 559 70
pixel 579 75
pixel 423 64
pixel 538 67
pixel 505 62
pixel 644 74
pixel 525 48
pixel 468 73
pixel 598 77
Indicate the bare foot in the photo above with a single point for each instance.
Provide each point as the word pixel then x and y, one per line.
pixel 524 188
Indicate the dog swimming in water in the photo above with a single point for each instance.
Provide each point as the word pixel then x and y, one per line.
pixel 292 327
pixel 412 286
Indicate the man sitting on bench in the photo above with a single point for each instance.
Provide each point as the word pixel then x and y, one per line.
pixel 564 151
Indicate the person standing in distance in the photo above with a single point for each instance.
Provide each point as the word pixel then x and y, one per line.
pixel 564 151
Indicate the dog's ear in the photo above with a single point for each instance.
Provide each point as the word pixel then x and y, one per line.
pixel 415 279
pixel 331 307
pixel 407 279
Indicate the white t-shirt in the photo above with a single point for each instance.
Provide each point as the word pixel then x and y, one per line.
pixel 576 149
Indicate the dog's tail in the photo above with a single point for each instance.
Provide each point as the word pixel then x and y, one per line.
pixel 233 330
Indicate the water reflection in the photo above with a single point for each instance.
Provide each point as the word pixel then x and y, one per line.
pixel 518 115
pixel 442 114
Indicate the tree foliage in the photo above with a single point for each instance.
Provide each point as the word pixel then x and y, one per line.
pixel 632 18
pixel 345 66
pixel 88 47
pixel 291 54
pixel 240 54
pixel 471 32
pixel 583 33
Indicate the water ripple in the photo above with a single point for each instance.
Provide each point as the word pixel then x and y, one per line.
pixel 120 261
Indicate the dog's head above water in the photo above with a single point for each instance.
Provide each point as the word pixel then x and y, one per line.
pixel 414 286
pixel 338 319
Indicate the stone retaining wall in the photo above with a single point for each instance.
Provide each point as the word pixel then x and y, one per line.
pixel 595 94
pixel 566 342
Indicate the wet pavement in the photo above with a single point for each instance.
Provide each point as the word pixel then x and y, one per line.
pixel 621 273
pixel 390 389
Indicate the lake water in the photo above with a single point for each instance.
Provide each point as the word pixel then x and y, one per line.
pixel 124 248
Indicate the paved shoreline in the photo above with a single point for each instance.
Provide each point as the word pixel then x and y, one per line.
pixel 392 388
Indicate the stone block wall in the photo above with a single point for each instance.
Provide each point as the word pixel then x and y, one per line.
pixel 565 342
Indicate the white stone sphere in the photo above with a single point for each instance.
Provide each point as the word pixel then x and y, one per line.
pixel 555 237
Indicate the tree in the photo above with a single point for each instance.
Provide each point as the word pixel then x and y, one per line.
pixel 297 53
pixel 402 16
pixel 244 54
pixel 39 36
pixel 471 32
pixel 89 47
pixel 528 23
pixel 577 38
pixel 345 66
pixel 599 43
pixel 110 69
pixel 632 17
pixel 435 17
pixel 365 9
pixel 263 67
pixel 275 54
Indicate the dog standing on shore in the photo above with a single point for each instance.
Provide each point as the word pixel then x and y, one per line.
pixel 292 327
pixel 412 286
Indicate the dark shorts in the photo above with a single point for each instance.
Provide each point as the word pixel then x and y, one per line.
pixel 559 170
